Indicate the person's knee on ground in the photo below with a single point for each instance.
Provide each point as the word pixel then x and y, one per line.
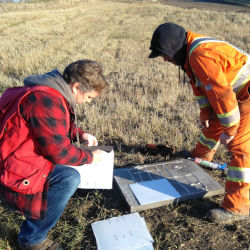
pixel 63 184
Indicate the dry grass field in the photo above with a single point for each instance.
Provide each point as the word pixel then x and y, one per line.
pixel 145 104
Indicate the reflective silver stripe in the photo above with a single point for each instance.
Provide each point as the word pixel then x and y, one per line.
pixel 242 77
pixel 200 39
pixel 210 143
pixel 203 101
pixel 238 174
pixel 231 118
pixel 197 41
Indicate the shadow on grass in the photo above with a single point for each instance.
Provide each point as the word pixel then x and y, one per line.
pixel 8 236
pixel 162 150
pixel 103 204
pixel 108 199
pixel 197 208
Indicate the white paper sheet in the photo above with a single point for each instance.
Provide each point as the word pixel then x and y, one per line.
pixel 98 175
pixel 148 192
pixel 124 232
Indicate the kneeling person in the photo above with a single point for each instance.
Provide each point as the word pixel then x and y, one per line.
pixel 37 131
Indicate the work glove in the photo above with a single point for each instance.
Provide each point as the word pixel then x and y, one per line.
pixel 205 124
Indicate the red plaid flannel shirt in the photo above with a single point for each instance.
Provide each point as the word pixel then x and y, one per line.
pixel 46 117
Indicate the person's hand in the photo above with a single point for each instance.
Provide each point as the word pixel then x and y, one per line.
pixel 205 124
pixel 225 138
pixel 91 140
pixel 97 155
pixel 206 117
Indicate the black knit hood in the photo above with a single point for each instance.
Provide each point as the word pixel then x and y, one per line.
pixel 170 39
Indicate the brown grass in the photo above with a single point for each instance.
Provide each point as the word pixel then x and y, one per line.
pixel 145 104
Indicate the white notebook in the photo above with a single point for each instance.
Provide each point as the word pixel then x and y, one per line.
pixel 97 175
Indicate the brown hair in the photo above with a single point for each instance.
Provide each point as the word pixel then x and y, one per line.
pixel 88 73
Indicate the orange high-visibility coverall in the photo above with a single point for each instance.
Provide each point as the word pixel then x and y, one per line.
pixel 220 78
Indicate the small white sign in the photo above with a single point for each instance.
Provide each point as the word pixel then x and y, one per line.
pixel 148 192
pixel 124 232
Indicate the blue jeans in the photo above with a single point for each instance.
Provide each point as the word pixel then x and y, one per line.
pixel 63 184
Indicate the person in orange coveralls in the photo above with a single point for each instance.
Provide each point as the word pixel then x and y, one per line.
pixel 220 78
